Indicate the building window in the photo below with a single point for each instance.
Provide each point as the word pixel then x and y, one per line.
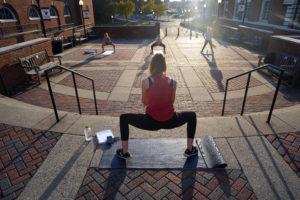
pixel 247 7
pixel 7 15
pixel 236 8
pixel 67 12
pixel 265 10
pixel 225 13
pixel 34 13
pixel 53 13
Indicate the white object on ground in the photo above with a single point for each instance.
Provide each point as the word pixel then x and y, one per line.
pixel 102 136
pixel 106 53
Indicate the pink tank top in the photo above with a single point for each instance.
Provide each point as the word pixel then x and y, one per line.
pixel 160 106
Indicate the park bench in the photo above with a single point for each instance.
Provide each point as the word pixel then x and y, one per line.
pixel 79 38
pixel 256 38
pixel 64 41
pixel 230 33
pixel 254 41
pixel 36 64
pixel 287 62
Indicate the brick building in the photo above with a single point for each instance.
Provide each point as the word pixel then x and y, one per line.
pixel 23 17
pixel 263 18
pixel 22 33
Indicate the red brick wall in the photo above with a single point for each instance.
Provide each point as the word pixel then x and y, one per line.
pixel 129 31
pixel 22 7
pixel 277 12
pixel 284 46
pixel 11 71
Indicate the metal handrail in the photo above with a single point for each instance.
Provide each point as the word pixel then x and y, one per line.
pixel 3 84
pixel 75 86
pixel 247 86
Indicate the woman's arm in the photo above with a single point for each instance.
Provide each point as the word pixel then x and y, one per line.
pixel 174 93
pixel 145 86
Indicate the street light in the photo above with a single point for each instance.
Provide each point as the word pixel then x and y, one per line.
pixel 219 1
pixel 112 19
pixel 80 5
pixel 204 6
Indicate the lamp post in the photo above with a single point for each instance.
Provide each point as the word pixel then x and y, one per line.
pixel 204 6
pixel 42 20
pixel 219 1
pixel 112 19
pixel 80 5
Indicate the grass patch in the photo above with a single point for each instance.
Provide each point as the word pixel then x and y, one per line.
pixel 135 23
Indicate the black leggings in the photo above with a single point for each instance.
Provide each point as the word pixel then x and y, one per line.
pixel 210 44
pixel 146 122
pixel 158 44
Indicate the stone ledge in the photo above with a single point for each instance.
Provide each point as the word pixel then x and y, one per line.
pixel 4 50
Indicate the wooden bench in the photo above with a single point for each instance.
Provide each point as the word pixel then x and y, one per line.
pixel 290 63
pixel 79 38
pixel 254 37
pixel 231 33
pixel 36 64
pixel 65 42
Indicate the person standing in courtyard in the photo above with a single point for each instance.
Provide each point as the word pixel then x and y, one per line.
pixel 208 39
pixel 158 42
pixel 107 41
pixel 158 95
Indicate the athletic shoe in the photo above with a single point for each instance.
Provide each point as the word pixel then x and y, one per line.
pixel 122 155
pixel 189 153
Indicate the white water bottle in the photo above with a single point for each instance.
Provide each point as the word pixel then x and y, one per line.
pixel 88 133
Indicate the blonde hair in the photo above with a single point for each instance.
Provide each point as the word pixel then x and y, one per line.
pixel 106 34
pixel 157 65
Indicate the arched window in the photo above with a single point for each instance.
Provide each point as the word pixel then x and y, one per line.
pixel 53 13
pixel 7 15
pixel 67 12
pixel 34 13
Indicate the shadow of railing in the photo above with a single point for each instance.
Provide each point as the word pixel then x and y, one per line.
pixel 260 163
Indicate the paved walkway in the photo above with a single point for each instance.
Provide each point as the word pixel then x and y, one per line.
pixel 42 159
pixel 201 79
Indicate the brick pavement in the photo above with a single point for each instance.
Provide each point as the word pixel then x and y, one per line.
pixel 22 151
pixel 105 80
pixel 258 103
pixel 165 184
pixel 288 146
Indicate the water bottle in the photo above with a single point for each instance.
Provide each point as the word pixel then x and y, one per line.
pixel 88 133
pixel 206 51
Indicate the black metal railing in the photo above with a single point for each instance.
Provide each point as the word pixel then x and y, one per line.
pixel 3 84
pixel 8 30
pixel 75 86
pixel 247 86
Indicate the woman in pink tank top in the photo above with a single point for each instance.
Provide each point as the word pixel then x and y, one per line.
pixel 158 95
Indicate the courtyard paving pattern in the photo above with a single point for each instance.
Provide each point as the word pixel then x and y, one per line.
pixel 22 152
pixel 165 184
pixel 201 84
pixel 203 93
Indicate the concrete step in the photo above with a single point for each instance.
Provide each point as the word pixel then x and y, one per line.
pixel 240 140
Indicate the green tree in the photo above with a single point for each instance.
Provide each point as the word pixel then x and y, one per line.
pixel 126 9
pixel 148 7
pixel 159 9
pixel 111 8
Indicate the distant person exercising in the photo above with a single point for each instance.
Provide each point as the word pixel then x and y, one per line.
pixel 158 95
pixel 107 41
pixel 158 42
pixel 208 37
